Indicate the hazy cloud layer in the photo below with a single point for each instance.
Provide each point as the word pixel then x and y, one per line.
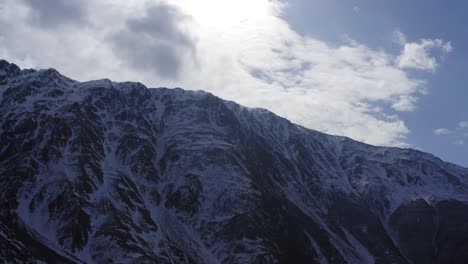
pixel 253 58
pixel 155 43
pixel 55 13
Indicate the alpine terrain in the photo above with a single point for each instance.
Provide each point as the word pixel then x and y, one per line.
pixel 107 172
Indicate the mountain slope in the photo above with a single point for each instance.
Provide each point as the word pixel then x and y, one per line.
pixel 114 172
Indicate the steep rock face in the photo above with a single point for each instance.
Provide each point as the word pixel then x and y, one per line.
pixel 114 172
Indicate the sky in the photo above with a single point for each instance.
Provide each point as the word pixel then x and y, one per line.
pixel 388 73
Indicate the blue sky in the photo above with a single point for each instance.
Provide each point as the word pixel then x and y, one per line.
pixel 373 23
pixel 388 73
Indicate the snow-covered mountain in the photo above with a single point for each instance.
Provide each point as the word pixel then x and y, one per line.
pixel 106 172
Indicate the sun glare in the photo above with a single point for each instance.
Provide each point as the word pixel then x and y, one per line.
pixel 223 14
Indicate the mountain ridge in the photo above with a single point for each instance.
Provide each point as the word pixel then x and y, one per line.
pixel 116 172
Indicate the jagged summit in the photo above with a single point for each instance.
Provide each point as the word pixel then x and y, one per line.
pixel 7 69
pixel 103 172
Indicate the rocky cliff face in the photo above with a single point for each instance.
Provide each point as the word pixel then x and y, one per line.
pixel 115 172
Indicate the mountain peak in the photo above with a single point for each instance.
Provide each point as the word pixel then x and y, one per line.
pixel 7 69
pixel 103 171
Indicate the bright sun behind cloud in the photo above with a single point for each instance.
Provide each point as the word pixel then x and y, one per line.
pixel 224 14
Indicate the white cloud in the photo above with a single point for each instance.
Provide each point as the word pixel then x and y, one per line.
pixel 418 55
pixel 253 58
pixel 405 103
pixel 442 131
pixel 399 37
pixel 446 47
pixel 463 124
pixel 458 133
